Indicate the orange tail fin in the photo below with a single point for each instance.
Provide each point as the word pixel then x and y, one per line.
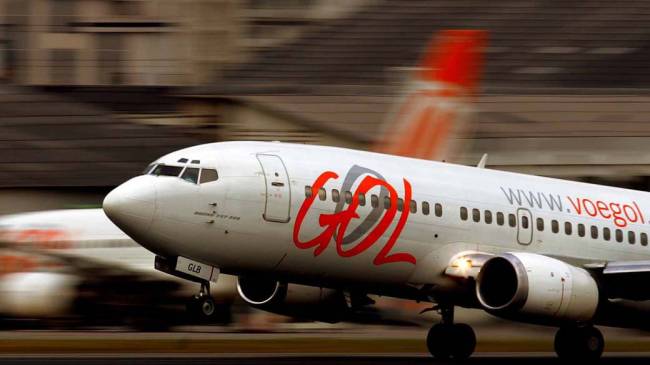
pixel 437 102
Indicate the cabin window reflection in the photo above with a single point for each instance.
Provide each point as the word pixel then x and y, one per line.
pixel 644 239
pixel 512 220
pixel 631 237
pixel 362 199
pixel 488 217
pixel 400 204
pixel 374 200
pixel 607 234
pixel 594 232
pixel 336 196
pixel 568 228
pixel 463 213
pixel 387 202
pixel 476 215
pixel 322 194
pixel 524 222
pixel 425 208
pixel 348 197
pixel 438 209
pixel 500 218
pixel 540 224
pixel 555 226
pixel 308 191
pixel 414 206
pixel 581 230
pixel 619 235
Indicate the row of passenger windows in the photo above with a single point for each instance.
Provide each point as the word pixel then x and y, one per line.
pixel 594 231
pixel 374 201
pixel 189 174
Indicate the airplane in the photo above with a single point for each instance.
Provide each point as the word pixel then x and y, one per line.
pixel 80 252
pixel 435 106
pixel 313 230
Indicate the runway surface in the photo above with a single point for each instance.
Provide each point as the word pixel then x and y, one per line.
pixel 261 359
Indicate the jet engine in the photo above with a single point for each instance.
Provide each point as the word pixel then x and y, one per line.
pixel 536 288
pixel 300 301
pixel 37 294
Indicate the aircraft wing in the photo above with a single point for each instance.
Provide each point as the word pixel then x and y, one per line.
pixel 623 279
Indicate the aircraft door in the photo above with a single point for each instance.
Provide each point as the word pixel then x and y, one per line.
pixel 524 226
pixel 278 191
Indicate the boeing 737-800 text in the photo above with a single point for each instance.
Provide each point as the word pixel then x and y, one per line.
pixel 311 229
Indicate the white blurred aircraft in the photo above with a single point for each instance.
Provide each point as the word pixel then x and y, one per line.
pixel 53 260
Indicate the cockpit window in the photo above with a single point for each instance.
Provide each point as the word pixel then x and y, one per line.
pixel 182 160
pixel 148 169
pixel 191 174
pixel 164 170
pixel 208 175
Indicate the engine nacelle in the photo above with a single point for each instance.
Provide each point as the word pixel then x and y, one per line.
pixel 301 301
pixel 536 288
pixel 37 294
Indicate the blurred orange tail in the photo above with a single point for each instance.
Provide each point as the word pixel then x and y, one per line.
pixel 436 105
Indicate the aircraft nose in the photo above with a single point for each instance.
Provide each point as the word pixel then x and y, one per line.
pixel 131 205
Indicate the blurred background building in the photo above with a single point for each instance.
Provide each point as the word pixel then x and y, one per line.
pixel 93 90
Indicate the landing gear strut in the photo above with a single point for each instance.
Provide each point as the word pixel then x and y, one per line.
pixel 202 306
pixel 451 340
pixel 583 343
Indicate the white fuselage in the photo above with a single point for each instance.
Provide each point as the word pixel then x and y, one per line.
pixel 246 220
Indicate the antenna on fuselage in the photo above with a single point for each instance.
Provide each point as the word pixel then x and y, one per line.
pixel 483 161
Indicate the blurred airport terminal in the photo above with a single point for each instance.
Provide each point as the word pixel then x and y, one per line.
pixel 94 90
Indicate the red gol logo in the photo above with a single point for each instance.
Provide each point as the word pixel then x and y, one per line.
pixel 335 224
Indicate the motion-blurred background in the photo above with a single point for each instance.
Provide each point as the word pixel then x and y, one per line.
pixel 94 90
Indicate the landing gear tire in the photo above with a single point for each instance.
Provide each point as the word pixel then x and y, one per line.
pixel 579 343
pixel 202 307
pixel 456 341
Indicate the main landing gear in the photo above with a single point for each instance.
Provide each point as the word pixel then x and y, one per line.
pixel 579 343
pixel 203 308
pixel 451 340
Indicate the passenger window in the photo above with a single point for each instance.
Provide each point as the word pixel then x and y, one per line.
pixel 594 232
pixel 476 215
pixel 524 222
pixel 191 174
pixel 164 170
pixel 463 213
pixel 488 217
pixel 568 228
pixel 512 220
pixel 438 210
pixel 425 208
pixel 631 237
pixel 308 192
pixel 387 202
pixel 336 197
pixel 362 199
pixel 619 235
pixel 607 234
pixel 555 226
pixel 644 239
pixel 540 224
pixel 208 175
pixel 322 194
pixel 414 206
pixel 374 201
pixel 400 204
pixel 581 230
pixel 500 218
pixel 348 197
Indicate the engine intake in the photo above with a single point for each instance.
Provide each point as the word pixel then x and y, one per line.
pixel 536 287
pixel 302 301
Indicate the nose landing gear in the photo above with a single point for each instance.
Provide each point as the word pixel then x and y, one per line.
pixel 203 308
pixel 451 340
